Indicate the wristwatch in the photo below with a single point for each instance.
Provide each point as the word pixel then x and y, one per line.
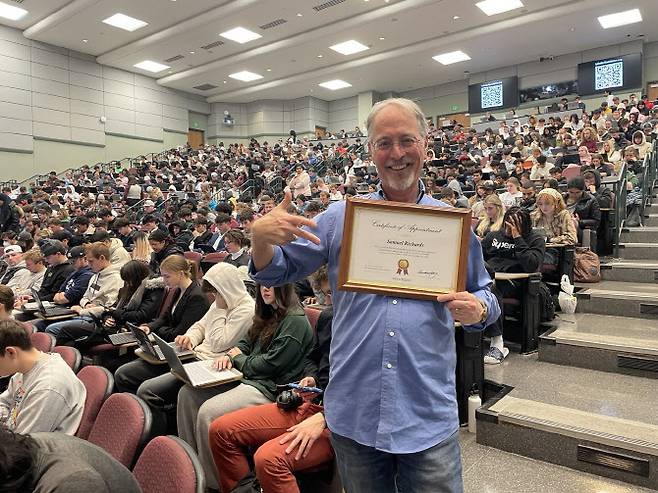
pixel 485 311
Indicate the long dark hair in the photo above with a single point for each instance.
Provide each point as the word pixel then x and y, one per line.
pixel 132 273
pixel 267 317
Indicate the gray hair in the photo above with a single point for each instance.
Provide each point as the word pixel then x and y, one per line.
pixel 404 103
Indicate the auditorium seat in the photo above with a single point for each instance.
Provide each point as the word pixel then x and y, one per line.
pixel 99 383
pixel 169 465
pixel 312 314
pixel 122 427
pixel 43 341
pixel 71 355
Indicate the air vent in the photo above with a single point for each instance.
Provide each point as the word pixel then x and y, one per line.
pixel 326 5
pixel 205 87
pixel 18 1
pixel 274 23
pixel 174 58
pixel 638 363
pixel 620 462
pixel 213 45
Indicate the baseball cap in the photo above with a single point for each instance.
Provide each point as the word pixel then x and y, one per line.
pixel 52 247
pixel 149 203
pixel 12 249
pixel 76 252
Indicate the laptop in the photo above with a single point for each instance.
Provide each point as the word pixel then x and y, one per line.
pixel 198 373
pixel 50 311
pixel 121 338
pixel 153 350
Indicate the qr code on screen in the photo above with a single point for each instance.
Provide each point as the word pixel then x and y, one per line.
pixel 491 95
pixel 609 75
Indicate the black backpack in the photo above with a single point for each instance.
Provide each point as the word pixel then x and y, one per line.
pixel 546 303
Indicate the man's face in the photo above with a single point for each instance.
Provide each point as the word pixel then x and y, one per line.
pixel 55 259
pixel 13 258
pixel 82 228
pixel 96 264
pixel 268 206
pixel 32 266
pixel 398 167
pixel 224 227
pixel 575 194
pixel 157 246
pixel 148 227
pixel 590 181
pixel 124 230
pixel 80 263
pixel 528 193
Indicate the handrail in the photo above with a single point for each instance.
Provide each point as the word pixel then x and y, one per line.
pixel 648 179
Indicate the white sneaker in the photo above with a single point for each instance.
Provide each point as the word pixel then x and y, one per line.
pixel 495 356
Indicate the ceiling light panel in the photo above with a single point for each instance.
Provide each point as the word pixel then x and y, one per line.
pixel 349 47
pixel 335 84
pixel 494 7
pixel 151 66
pixel 240 35
pixel 125 22
pixel 620 19
pixel 245 76
pixel 10 12
pixel 452 57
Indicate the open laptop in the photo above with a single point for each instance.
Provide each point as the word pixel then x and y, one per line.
pixel 153 350
pixel 50 311
pixel 197 373
pixel 121 338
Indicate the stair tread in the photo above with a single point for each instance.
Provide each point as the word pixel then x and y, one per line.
pixel 622 289
pixel 638 245
pixel 637 343
pixel 632 263
pixel 594 426
pixel 648 229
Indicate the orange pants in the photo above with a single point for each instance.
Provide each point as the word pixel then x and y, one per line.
pixel 262 427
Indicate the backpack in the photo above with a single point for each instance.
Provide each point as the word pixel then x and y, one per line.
pixel 586 267
pixel 547 308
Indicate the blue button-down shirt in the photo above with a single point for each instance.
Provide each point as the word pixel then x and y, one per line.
pixel 392 360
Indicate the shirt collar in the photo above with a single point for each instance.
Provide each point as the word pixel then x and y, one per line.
pixel 421 191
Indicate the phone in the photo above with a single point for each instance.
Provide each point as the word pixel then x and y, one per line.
pixel 296 386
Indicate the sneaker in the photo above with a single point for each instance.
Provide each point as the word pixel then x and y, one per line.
pixel 495 356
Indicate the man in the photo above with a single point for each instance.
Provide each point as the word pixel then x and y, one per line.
pixel 34 264
pixel 101 294
pixel 16 273
pixel 71 290
pixel 583 206
pixel 529 201
pixel 125 232
pixel 119 256
pixel 246 219
pixel 223 223
pixel 59 269
pixel 406 431
pixel 43 394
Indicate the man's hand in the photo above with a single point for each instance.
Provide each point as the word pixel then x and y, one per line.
pixel 278 227
pixel 465 308
pixel 77 309
pixel 304 435
pixel 145 328
pixel 183 341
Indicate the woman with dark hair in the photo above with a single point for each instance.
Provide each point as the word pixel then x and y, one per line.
pixel 272 353
pixel 514 248
pixel 163 247
pixel 59 463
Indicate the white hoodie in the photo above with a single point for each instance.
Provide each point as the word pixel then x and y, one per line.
pixel 220 329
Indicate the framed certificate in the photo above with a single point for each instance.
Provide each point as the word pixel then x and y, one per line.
pixel 400 249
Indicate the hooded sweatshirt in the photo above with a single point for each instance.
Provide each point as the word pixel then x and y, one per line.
pixel 643 147
pixel 102 292
pixel 220 329
pixel 119 256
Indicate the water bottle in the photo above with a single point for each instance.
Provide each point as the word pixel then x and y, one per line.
pixel 474 402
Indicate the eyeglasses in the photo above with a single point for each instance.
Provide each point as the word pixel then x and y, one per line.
pixel 387 144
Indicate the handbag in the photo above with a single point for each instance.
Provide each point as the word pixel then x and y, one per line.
pixel 587 267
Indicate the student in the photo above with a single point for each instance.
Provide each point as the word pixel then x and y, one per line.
pixel 224 324
pixel 514 248
pixel 59 269
pixel 287 440
pixel 201 233
pixel 75 285
pixel 237 246
pixel 16 273
pixel 58 463
pixel 162 247
pixel 493 218
pixel 43 394
pixel 119 256
pixel 273 352
pixel 583 206
pixel 189 305
pixel 512 196
pixel 101 293
pixel 35 266
pixel 552 216
pixel 601 193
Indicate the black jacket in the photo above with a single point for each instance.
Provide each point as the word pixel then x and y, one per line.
pixel 190 308
pixel 202 239
pixel 603 194
pixel 147 310
pixel 317 364
pixel 8 215
pixel 506 254
pixel 157 258
pixel 589 212
pixel 53 279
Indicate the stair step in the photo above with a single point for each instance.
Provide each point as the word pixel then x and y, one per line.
pixel 650 218
pixel 647 234
pixel 637 271
pixel 602 342
pixel 600 423
pixel 627 299
pixel 638 251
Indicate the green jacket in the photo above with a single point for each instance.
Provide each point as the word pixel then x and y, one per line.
pixel 283 361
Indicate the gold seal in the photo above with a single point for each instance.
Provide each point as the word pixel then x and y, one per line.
pixel 403 267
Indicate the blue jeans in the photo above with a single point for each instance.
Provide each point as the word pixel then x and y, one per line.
pixel 56 327
pixel 367 470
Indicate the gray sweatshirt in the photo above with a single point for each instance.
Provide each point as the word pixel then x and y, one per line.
pixel 49 397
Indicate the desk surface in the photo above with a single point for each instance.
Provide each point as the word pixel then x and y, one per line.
pixel 511 276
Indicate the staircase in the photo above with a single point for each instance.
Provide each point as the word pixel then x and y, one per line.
pixel 590 400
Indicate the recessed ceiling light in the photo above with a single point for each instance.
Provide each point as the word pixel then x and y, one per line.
pixel 335 84
pixel 620 18
pixel 240 35
pixel 452 57
pixel 191 53
pixel 269 69
pixel 493 7
pixel 349 47
pixel 85 41
pixel 320 56
pixel 455 17
pixel 125 22
pixel 245 76
pixel 10 12
pixel 224 81
pixel 299 14
pixel 151 66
